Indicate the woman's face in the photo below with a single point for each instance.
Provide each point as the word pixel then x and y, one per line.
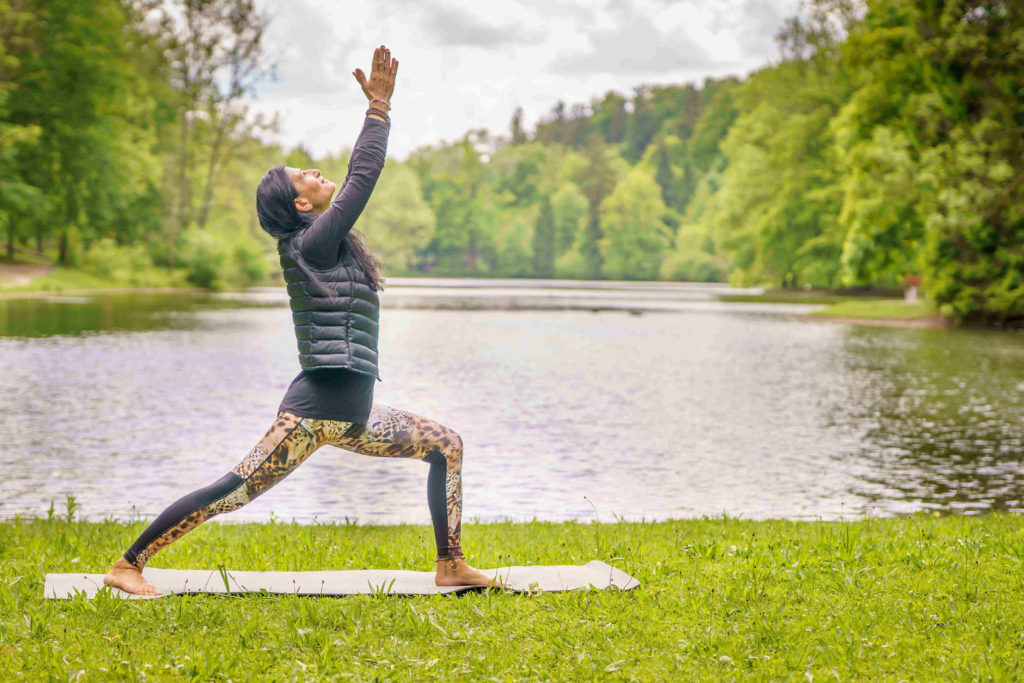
pixel 314 190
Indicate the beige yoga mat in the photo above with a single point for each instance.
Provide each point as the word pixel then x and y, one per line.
pixel 530 579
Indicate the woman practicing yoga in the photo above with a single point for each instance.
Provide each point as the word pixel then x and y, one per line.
pixel 332 280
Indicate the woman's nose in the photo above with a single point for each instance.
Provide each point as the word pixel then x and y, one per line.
pixel 316 172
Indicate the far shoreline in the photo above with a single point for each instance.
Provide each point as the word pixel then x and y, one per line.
pixel 936 322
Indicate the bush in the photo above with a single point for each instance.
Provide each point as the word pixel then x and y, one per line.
pixel 74 246
pixel 202 257
pixel 124 264
pixel 251 262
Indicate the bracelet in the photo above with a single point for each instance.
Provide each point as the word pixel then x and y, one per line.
pixel 380 113
pixel 377 99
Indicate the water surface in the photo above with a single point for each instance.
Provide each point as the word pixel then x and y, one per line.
pixel 639 401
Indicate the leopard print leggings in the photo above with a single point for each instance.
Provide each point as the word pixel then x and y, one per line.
pixel 388 433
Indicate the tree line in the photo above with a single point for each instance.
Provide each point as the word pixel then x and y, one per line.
pixel 885 141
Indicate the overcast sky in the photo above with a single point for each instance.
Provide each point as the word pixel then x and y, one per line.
pixel 466 65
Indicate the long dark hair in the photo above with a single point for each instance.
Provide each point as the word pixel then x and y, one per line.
pixel 275 207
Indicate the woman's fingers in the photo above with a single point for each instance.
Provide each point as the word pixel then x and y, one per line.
pixel 361 79
pixel 382 74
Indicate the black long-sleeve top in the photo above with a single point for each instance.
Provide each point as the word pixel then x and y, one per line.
pixel 338 393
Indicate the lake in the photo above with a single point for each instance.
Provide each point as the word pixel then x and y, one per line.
pixel 638 401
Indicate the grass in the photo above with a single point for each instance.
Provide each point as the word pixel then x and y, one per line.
pixel 786 297
pixel 73 279
pixel 919 598
pixel 880 308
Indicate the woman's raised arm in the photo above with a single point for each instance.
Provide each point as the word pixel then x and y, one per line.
pixel 321 243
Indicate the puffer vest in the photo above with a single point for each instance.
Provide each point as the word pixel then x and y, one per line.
pixel 337 331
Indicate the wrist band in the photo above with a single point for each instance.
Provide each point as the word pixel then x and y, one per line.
pixel 380 113
pixel 377 99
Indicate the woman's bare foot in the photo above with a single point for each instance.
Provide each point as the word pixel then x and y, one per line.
pixel 129 579
pixel 459 573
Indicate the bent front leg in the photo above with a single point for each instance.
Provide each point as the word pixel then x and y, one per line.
pixel 393 433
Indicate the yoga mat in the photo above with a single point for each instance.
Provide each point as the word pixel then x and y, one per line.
pixel 529 579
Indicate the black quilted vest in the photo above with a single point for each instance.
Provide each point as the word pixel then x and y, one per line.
pixel 336 331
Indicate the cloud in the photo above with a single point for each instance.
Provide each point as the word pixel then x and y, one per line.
pixel 311 56
pixel 754 23
pixel 635 46
pixel 453 27
pixel 468 65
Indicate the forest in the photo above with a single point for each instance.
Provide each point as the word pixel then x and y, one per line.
pixel 886 140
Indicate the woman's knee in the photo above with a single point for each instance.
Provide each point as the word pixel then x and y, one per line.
pixel 228 493
pixel 452 445
pixel 447 445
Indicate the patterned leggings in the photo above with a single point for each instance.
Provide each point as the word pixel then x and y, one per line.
pixel 388 433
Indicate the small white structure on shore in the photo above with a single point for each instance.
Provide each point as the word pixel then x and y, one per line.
pixel 911 283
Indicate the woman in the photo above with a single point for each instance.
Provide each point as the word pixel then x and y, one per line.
pixel 332 281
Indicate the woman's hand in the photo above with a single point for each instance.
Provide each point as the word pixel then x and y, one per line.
pixel 382 75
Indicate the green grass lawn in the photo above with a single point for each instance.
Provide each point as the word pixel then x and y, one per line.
pixel 786 297
pixel 879 308
pixel 72 279
pixel 917 598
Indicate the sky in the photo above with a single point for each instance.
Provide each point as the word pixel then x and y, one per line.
pixel 467 65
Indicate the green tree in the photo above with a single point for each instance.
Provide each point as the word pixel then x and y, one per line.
pixel 635 237
pixel 569 207
pixel 931 149
pixel 19 199
pixel 641 126
pixel 464 234
pixel 609 116
pixel 398 222
pixel 93 158
pixel 596 180
pixel 215 54
pixel 519 135
pixel 544 235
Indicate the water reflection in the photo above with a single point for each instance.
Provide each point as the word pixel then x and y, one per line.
pixel 941 411
pixel 133 400
pixel 60 315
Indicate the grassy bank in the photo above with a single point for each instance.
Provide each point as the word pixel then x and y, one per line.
pixel 917 598
pixel 61 279
pixel 781 296
pixel 874 309
pixel 846 306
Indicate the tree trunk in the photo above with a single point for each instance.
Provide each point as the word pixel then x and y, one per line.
pixel 204 209
pixel 10 241
pixel 62 249
pixel 183 198
pixel 39 240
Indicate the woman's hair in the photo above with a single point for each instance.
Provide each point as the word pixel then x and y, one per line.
pixel 275 207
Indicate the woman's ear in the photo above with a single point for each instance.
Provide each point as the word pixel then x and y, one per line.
pixel 302 204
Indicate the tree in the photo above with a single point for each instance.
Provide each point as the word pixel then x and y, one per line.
pixel 215 49
pixel 596 181
pixel 552 128
pixel 674 191
pixel 544 246
pixel 463 242
pixel 19 199
pixel 641 126
pixel 518 134
pixel 397 221
pixel 93 157
pixel 635 238
pixel 569 208
pixel 609 116
pixel 703 146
